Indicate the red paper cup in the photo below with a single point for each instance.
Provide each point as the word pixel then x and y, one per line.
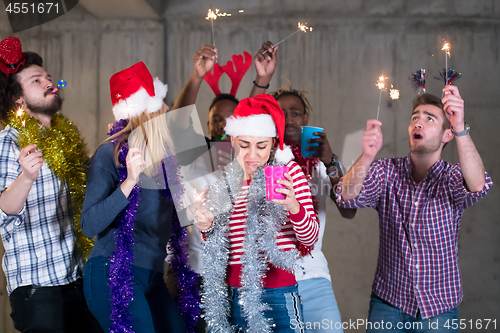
pixel 273 173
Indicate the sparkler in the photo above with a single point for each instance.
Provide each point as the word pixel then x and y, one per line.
pixel 381 86
pixel 446 48
pixel 19 113
pixel 394 93
pixel 301 27
pixel 211 15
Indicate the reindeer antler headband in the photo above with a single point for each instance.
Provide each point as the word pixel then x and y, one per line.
pixel 235 69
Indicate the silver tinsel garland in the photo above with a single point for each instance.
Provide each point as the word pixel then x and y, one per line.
pixel 265 220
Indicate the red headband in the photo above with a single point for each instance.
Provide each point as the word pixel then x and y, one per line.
pixel 235 69
pixel 11 55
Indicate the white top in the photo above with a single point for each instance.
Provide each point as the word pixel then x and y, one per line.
pixel 315 264
pixel 195 177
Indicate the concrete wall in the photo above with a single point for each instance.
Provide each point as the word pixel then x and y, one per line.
pixel 353 42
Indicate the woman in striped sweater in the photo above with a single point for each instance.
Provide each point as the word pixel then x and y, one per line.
pixel 252 245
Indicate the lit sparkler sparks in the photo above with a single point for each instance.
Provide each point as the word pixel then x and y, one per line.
pixel 394 93
pixel 446 47
pixel 380 83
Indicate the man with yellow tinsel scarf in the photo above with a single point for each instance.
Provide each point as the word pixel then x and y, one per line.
pixel 42 183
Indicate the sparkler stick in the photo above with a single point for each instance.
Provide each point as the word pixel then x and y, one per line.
pixel 381 86
pixel 446 48
pixel 301 27
pixel 211 15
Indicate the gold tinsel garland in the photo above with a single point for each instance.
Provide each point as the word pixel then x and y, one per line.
pixel 65 153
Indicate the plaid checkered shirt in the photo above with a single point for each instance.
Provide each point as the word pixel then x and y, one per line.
pixel 417 265
pixel 39 241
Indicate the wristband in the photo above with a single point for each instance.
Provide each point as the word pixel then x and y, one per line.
pixel 261 87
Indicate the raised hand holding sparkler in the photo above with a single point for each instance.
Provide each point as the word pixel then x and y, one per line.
pixel 204 59
pixel 301 27
pixel 265 60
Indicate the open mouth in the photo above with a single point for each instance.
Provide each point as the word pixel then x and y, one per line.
pixel 417 136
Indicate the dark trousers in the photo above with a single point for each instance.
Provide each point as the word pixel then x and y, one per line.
pixel 60 309
pixel 152 308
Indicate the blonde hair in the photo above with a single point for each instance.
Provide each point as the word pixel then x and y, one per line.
pixel 148 132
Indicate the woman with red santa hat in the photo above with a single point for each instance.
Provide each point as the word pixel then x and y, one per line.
pixel 129 216
pixel 252 244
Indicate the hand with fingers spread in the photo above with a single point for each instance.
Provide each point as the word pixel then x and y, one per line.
pixel 454 107
pixel 265 62
pixel 372 139
pixel 204 60
pixel 290 202
pixel 31 161
pixel 323 151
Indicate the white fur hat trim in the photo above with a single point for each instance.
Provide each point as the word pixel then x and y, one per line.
pixel 140 102
pixel 260 125
pixel 284 156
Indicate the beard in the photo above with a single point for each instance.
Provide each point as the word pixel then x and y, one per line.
pixel 425 148
pixel 46 109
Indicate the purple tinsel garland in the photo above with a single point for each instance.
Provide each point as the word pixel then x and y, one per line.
pixel 121 275
pixel 189 298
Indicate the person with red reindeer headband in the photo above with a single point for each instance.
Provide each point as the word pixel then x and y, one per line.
pixel 251 243
pixel 42 184
pixel 131 221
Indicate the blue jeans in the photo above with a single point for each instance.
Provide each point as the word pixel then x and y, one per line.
pixel 321 313
pixel 152 308
pixel 286 309
pixel 402 322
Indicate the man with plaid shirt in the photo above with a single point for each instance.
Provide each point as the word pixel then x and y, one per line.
pixel 420 200
pixel 41 263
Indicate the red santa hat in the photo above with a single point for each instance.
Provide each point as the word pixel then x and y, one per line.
pixel 11 55
pixel 260 116
pixel 133 91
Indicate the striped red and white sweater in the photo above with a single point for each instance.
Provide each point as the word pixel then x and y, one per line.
pixel 302 227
